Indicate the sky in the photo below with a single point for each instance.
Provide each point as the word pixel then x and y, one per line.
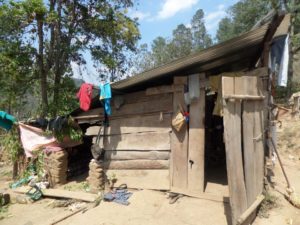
pixel 160 18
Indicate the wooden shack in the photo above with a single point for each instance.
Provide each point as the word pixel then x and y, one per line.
pixel 144 150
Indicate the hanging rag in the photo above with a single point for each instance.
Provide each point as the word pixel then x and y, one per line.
pixel 85 96
pixel 105 97
pixel 33 139
pixel 6 120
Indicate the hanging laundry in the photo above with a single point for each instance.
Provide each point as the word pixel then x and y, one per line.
pixel 279 60
pixel 105 96
pixel 6 120
pixel 85 96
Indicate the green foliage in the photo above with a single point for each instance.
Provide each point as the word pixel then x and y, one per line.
pixel 11 144
pixel 39 40
pixel 71 130
pixel 4 211
pixel 201 39
pixel 270 202
pixel 242 16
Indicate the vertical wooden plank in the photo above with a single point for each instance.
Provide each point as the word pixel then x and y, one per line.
pixel 196 144
pixel 179 144
pixel 249 151
pixel 259 145
pixel 235 171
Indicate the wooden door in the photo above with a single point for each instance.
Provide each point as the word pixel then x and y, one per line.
pixel 243 104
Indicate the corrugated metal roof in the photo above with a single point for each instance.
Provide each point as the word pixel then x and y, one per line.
pixel 206 59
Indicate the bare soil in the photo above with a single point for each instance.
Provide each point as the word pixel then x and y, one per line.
pixel 152 207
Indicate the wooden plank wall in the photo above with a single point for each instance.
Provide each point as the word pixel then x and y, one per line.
pixel 244 132
pixel 138 139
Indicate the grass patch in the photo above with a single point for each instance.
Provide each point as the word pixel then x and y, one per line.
pixel 82 186
pixel 4 212
pixel 270 202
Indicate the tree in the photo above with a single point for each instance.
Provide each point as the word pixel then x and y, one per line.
pixel 63 31
pixel 181 44
pixel 200 39
pixel 16 70
pixel 242 16
pixel 225 30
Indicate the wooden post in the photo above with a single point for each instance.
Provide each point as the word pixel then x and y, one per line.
pixel 179 143
pixel 197 143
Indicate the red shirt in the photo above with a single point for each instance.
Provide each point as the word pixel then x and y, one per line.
pixel 85 96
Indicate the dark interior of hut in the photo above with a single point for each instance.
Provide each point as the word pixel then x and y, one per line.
pixel 215 158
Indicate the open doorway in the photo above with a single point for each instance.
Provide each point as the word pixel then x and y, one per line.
pixel 215 157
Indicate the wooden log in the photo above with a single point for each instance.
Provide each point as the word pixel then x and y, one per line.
pixel 140 141
pixel 250 210
pixel 136 164
pixel 234 162
pixel 161 104
pixel 197 144
pixel 135 155
pixel 244 97
pixel 164 89
pixel 57 193
pixel 136 124
pixel 179 144
pixel 141 179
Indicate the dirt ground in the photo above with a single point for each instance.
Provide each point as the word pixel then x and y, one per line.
pixel 152 207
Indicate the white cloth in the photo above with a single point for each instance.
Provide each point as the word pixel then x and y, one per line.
pixel 284 65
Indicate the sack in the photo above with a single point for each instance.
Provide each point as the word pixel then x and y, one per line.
pixel 97 151
pixel 178 121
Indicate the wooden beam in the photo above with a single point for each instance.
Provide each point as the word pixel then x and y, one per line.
pixel 179 143
pixel 136 164
pixel 164 89
pixel 158 122
pixel 139 141
pixel 250 210
pixel 136 155
pixel 57 193
pixel 244 97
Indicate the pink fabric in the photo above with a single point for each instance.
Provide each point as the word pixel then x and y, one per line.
pixel 85 96
pixel 52 148
pixel 33 138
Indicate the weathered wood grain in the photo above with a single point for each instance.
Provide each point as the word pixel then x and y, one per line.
pixel 136 155
pixel 234 161
pixel 139 141
pixel 196 144
pixel 136 124
pixel 136 164
pixel 179 144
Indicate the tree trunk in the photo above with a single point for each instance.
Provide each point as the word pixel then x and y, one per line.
pixel 43 75
pixel 57 73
